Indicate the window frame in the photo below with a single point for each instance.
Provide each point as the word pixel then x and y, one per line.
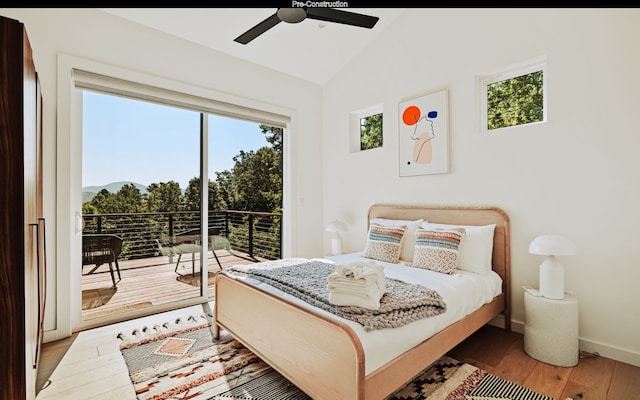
pixel 512 71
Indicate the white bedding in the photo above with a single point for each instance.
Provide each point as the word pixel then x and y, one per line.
pixel 463 292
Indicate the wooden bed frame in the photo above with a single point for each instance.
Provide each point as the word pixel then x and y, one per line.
pixel 324 357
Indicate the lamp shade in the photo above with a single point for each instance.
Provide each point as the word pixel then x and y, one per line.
pixel 552 245
pixel 336 226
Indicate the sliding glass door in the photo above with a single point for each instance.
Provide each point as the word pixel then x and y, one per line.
pixel 149 239
pixel 141 174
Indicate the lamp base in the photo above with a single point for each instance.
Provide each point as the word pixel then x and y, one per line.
pixel 552 279
pixel 336 246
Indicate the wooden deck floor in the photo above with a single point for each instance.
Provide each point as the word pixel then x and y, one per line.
pixel 149 282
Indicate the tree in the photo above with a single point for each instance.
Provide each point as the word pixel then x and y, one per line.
pixel 226 188
pixel 97 202
pixel 164 197
pixel 129 200
pixel 104 202
pixel 257 180
pixel 191 199
pixel 371 132
pixel 515 101
pixel 273 136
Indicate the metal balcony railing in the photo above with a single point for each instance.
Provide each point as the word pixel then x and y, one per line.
pixel 257 234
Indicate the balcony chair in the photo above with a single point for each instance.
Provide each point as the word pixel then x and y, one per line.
pixel 98 249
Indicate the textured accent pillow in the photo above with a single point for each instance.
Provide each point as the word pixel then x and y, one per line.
pixel 476 249
pixel 384 243
pixel 437 249
pixel 409 241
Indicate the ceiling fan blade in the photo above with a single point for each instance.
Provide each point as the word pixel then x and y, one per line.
pixel 342 17
pixel 258 30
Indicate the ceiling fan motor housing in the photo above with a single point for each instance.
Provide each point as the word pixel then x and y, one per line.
pixel 292 15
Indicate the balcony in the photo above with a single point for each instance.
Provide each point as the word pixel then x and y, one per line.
pixel 149 278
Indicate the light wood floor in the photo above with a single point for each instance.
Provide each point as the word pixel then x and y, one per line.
pixel 594 378
pixel 89 366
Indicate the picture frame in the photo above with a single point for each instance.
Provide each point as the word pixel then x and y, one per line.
pixel 424 134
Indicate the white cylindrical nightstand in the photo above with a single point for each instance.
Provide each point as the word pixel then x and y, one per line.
pixel 551 329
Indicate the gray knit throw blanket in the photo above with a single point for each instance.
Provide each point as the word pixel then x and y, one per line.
pixel 307 280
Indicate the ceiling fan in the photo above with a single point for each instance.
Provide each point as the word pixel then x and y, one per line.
pixel 295 15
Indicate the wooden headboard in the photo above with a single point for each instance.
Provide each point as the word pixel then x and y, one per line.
pixel 462 215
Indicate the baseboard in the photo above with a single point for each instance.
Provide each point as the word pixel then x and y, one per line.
pixel 498 321
pixel 591 346
pixel 606 350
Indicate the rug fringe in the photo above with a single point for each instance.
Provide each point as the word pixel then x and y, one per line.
pixel 147 333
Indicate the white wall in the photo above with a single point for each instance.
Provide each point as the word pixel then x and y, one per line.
pixel 574 175
pixel 101 37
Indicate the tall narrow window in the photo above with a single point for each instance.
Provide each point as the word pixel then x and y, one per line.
pixel 371 132
pixel 366 129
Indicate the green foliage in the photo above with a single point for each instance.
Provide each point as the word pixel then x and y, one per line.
pixel 371 132
pixel 515 101
pixel 273 136
pixel 191 199
pixel 164 196
pixel 128 199
pixel 255 176
pixel 255 181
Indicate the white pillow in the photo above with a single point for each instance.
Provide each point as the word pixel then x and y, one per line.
pixel 409 242
pixel 476 247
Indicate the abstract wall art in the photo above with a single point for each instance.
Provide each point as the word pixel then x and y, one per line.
pixel 424 135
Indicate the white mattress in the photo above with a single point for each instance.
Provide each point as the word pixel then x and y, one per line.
pixel 463 293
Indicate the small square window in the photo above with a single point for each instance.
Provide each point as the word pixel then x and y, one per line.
pixel 513 97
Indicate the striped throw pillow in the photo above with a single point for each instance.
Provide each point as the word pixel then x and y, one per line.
pixel 384 243
pixel 437 249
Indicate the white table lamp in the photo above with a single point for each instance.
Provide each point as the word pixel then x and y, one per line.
pixel 335 227
pixel 551 271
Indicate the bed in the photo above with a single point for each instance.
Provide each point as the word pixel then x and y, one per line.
pixel 332 358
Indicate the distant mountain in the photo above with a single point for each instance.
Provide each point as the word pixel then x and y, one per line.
pixel 89 191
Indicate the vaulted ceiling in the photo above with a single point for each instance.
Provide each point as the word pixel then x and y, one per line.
pixel 312 50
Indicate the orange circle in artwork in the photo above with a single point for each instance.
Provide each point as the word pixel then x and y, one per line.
pixel 411 115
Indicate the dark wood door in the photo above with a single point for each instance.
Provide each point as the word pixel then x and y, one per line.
pixel 21 251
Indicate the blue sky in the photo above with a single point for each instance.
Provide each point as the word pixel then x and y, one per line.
pixel 130 140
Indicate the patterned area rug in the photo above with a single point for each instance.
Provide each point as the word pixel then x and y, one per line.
pixel 180 360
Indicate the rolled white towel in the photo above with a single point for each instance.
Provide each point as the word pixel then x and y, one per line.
pixel 361 273
pixel 360 284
